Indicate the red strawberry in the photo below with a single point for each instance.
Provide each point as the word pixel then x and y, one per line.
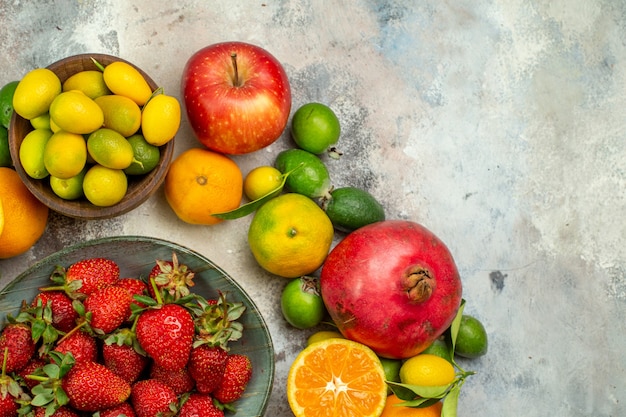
pixel 151 397
pixel 60 412
pixel 8 406
pixel 124 361
pixel 134 287
pixel 17 339
pixel 86 276
pixel 80 344
pixel 90 386
pixel 124 409
pixel 206 366
pixel 109 308
pixel 180 381
pixel 236 377
pixel 63 314
pixel 199 405
pixel 30 368
pixel 166 335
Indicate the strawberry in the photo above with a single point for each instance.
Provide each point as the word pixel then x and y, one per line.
pixel 109 308
pixel 180 381
pixel 124 409
pixel 171 278
pixel 10 391
pixel 151 398
pixel 215 321
pixel 236 377
pixel 84 277
pixel 63 314
pixel 124 361
pixel 206 366
pixel 17 339
pixel 199 405
pixel 8 406
pixel 34 364
pixel 166 334
pixel 91 386
pixel 80 344
pixel 134 287
pixel 62 411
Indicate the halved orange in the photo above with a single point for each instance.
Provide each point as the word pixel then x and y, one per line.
pixel 336 378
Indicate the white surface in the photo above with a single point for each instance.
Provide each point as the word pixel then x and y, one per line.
pixel 499 126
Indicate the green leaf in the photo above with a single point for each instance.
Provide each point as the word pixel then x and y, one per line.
pixel 409 392
pixel 42 399
pixel 454 327
pixel 52 370
pixel 450 403
pixel 420 402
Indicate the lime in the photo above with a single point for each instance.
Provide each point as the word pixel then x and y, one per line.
pixel 41 122
pixel 146 156
pixel 32 153
pixel 301 302
pixel 110 149
pixel 65 154
pixel 69 188
pixel 6 103
pixel 310 179
pixel 74 112
pixel 323 335
pixel 439 348
pixel 90 82
pixel 104 186
pixel 427 370
pixel 350 208
pixel 5 153
pixel 261 181
pixel 35 92
pixel 120 114
pixel 392 370
pixel 471 340
pixel 314 127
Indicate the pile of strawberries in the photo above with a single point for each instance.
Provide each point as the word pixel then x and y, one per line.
pixel 94 343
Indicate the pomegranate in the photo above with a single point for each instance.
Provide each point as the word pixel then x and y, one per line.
pixel 393 286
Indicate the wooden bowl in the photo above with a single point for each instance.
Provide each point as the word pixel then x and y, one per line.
pixel 140 188
pixel 135 256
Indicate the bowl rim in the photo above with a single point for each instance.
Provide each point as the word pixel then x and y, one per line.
pixel 64 254
pixel 139 189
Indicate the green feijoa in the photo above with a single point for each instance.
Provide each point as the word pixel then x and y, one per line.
pixel 472 340
pixel 311 177
pixel 350 208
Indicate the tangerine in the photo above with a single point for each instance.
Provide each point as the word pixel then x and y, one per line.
pixel 201 182
pixel 25 217
pixel 392 409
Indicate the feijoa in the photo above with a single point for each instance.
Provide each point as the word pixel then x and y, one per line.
pixel 350 208
pixel 311 178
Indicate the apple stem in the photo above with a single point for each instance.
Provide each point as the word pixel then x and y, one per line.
pixel 233 57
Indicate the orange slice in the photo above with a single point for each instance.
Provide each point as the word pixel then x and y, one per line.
pixel 336 378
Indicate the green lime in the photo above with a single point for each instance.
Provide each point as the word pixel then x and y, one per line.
pixel 146 156
pixel 301 302
pixel 350 208
pixel 5 154
pixel 392 370
pixel 311 177
pixel 471 341
pixel 110 149
pixel 6 102
pixel 32 153
pixel 69 188
pixel 439 348
pixel 314 127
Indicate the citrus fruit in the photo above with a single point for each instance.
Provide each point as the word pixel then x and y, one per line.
pixel 350 208
pixel 392 370
pixel 120 114
pixel 5 153
pixel 32 151
pixel 471 340
pixel 1 218
pixel 323 335
pixel 65 154
pixel 25 217
pixel 146 156
pixel 290 235
pixel 427 370
pixel 392 409
pixel 301 303
pixel 110 149
pixel 35 92
pixel 314 127
pixel 90 82
pixel 160 119
pixel 74 112
pixel 69 188
pixel 104 186
pixel 200 182
pixel 440 348
pixel 310 179
pixel 6 102
pixel 41 122
pixel 124 79
pixel 336 377
pixel 261 181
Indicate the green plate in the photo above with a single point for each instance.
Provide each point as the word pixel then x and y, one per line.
pixel 135 256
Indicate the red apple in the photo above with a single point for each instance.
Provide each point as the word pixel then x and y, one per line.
pixel 237 97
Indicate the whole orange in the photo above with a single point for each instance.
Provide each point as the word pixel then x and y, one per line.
pixel 25 217
pixel 393 410
pixel 200 182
